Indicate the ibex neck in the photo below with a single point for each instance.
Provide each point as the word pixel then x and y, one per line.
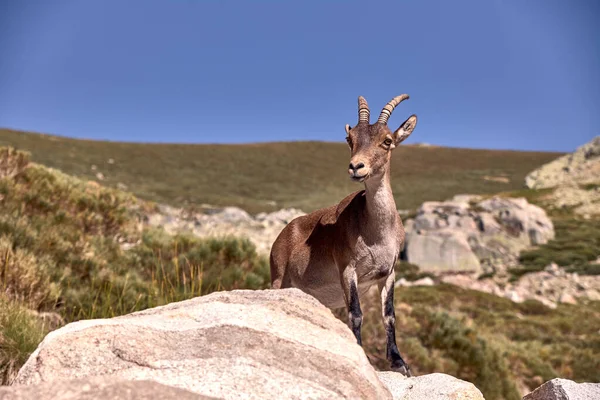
pixel 381 207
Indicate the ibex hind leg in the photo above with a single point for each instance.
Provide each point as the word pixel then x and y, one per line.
pixel 389 322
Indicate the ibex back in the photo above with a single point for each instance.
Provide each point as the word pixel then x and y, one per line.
pixel 337 253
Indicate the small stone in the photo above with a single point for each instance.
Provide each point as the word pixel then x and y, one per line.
pixel 566 298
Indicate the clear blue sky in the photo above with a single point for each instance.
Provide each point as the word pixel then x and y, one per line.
pixel 511 74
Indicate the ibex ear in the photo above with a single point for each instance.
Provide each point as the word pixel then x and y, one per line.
pixel 405 129
pixel 348 128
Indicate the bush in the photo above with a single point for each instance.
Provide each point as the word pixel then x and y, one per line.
pixel 25 278
pixel 477 360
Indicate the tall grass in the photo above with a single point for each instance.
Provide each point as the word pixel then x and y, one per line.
pixel 20 333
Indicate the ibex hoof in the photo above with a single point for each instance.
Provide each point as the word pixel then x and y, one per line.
pixel 401 367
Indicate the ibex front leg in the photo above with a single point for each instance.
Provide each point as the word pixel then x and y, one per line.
pixel 350 286
pixel 389 322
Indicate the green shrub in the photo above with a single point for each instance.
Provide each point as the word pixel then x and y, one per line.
pixel 478 360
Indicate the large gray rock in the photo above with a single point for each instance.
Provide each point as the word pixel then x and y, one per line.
pixel 248 344
pixel 429 387
pixel 467 234
pixel 441 251
pixel 98 388
pixel 564 389
pixel 579 167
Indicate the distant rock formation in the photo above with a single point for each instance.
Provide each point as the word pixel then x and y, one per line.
pixel 469 235
pixel 579 167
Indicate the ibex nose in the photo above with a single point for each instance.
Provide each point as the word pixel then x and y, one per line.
pixel 356 167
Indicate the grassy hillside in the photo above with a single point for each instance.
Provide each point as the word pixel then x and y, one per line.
pixel 305 175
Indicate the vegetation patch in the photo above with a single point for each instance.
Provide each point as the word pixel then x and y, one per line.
pixel 76 248
pixel 20 334
pixel 486 339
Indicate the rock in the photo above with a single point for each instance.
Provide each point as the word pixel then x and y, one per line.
pixel 283 216
pixel 581 201
pixel 429 387
pixel 444 207
pixel 521 218
pixel 98 388
pixel 548 287
pixel 234 214
pixel 579 167
pixel 441 251
pixel 237 344
pixel 564 389
pixel 513 296
pixel 462 235
pixel 427 281
pixel 567 298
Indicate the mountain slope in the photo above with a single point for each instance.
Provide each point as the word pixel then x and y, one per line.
pixel 270 176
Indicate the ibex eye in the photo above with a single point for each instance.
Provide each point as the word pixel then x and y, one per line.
pixel 388 142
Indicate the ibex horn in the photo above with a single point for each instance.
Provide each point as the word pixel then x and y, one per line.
pixel 363 110
pixel 389 107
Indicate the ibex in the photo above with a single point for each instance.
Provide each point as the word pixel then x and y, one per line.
pixel 337 253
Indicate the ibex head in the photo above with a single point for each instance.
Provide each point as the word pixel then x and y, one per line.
pixel 371 145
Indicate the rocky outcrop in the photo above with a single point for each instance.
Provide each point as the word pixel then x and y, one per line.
pixel 98 388
pixel 583 201
pixel 469 235
pixel 430 387
pixel 564 389
pixel 261 229
pixel 579 167
pixel 550 287
pixel 267 344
